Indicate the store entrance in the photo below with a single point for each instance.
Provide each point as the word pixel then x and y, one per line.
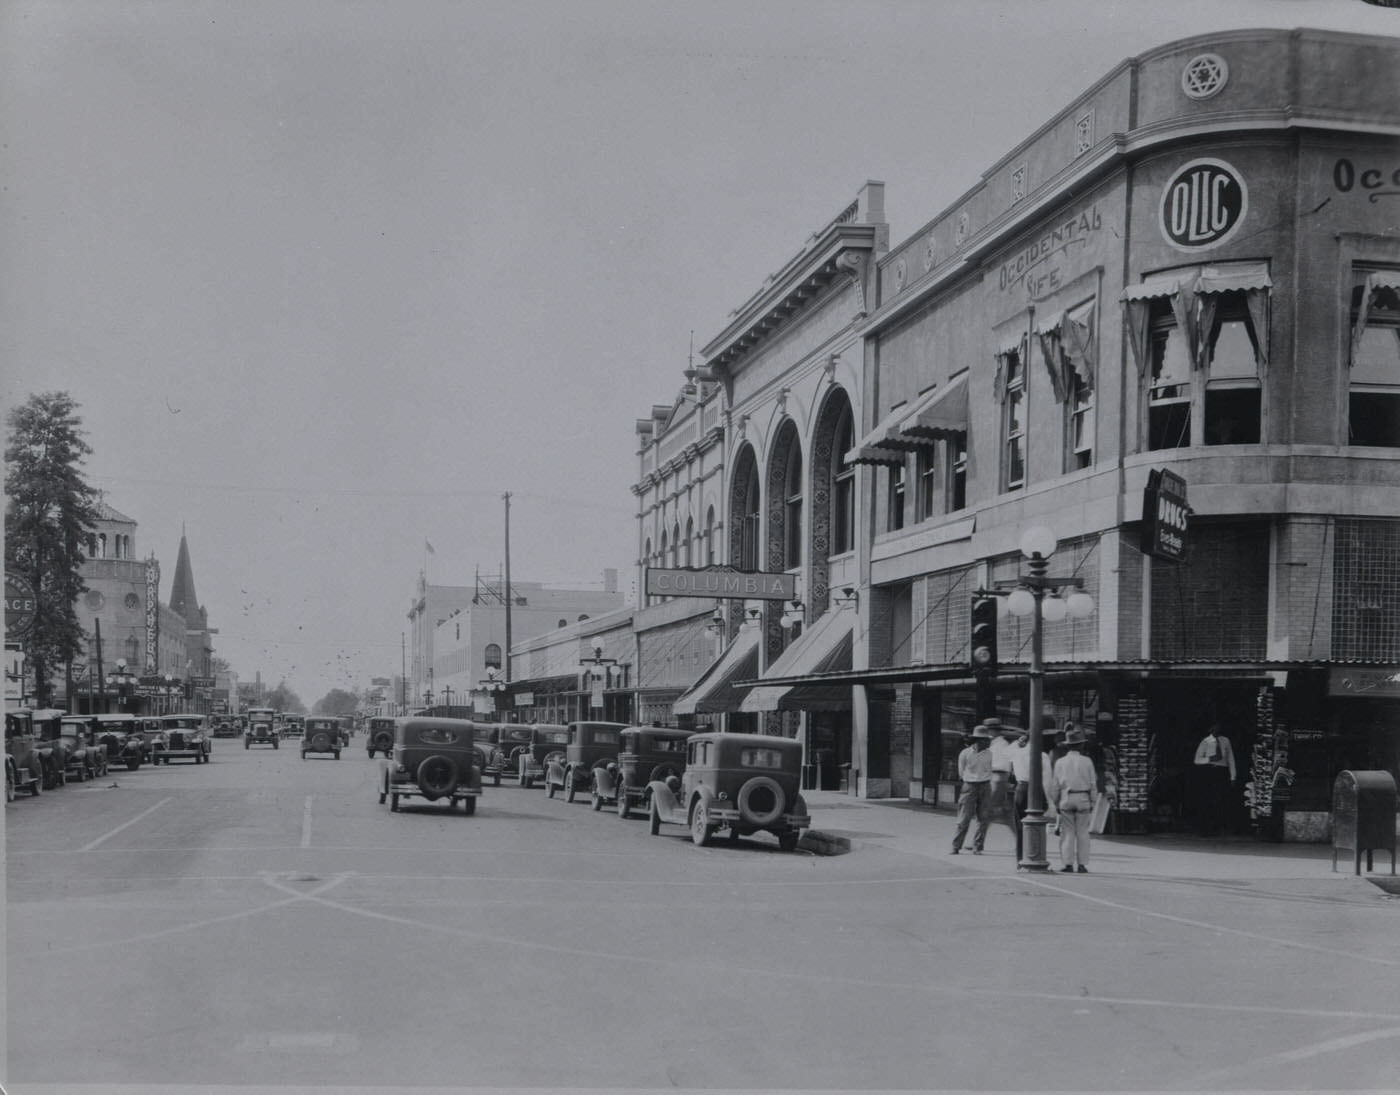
pixel 831 748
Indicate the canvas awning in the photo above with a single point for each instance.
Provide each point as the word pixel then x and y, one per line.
pixel 825 647
pixel 714 693
pixel 936 415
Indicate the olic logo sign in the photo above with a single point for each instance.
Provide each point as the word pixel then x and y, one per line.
pixel 1202 205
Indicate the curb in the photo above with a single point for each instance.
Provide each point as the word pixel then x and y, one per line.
pixel 819 843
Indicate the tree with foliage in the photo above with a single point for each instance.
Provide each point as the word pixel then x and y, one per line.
pixel 50 514
pixel 337 702
pixel 284 699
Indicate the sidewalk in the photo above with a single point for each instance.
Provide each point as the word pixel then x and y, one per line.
pixel 840 822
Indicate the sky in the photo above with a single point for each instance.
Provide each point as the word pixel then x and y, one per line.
pixel 328 277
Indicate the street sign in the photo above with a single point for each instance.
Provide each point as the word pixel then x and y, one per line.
pixel 20 606
pixel 720 581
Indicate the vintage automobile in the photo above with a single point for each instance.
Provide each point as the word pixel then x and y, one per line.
pixel 261 731
pixel 746 783
pixel 293 726
pixel 185 739
pixel 226 728
pixel 546 740
pixel 647 753
pixel 380 735
pixel 433 758
pixel 87 756
pixel 321 734
pixel 118 734
pixel 488 735
pixel 149 734
pixel 513 741
pixel 50 746
pixel 591 745
pixel 23 771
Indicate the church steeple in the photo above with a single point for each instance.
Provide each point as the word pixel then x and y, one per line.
pixel 182 597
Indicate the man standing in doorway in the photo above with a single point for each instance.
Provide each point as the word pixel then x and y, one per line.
pixel 974 800
pixel 1215 767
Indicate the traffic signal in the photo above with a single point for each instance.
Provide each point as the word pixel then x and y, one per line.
pixel 983 647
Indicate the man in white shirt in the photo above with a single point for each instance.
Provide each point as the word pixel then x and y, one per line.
pixel 1215 767
pixel 1076 789
pixel 1002 737
pixel 1020 755
pixel 974 799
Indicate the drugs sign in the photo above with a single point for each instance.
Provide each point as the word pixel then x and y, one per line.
pixel 1164 516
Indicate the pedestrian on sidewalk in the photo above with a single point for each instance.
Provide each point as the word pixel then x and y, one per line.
pixel 974 799
pixel 1215 769
pixel 1077 789
pixel 1021 773
pixel 1002 739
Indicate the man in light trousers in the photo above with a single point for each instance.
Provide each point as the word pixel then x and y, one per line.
pixel 1076 791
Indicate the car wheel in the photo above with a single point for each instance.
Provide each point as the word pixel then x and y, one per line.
pixel 733 834
pixel 245 743
pixel 788 841
pixel 624 804
pixel 654 818
pixel 337 754
pixel 133 764
pixel 371 754
pixel 469 805
pixel 597 802
pixel 569 785
pixel 760 801
pixel 9 786
pixel 275 745
pixel 548 787
pixel 394 803
pixel 700 828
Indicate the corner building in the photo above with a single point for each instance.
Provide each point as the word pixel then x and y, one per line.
pixel 1194 267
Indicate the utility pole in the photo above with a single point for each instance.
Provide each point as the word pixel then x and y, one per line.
pixel 403 675
pixel 101 679
pixel 509 597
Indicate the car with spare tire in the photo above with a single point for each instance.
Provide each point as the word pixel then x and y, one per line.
pixel 321 735
pixel 379 735
pixel 433 759
pixel 740 783
pixel 647 754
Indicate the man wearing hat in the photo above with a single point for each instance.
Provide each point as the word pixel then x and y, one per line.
pixel 975 773
pixel 1002 737
pixel 1076 789
pixel 1021 772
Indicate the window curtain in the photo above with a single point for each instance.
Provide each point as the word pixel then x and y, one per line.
pixel 1078 339
pixel 1052 353
pixel 1137 313
pixel 1375 282
pixel 1017 346
pixel 1254 283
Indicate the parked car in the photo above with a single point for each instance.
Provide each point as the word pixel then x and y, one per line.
pixel 488 735
pixel 50 746
pixel 321 734
pixel 22 766
pixel 118 734
pixel 261 732
pixel 148 732
pixel 226 728
pixel 546 739
pixel 293 726
pixel 746 783
pixel 380 735
pixel 433 758
pixel 647 753
pixel 513 741
pixel 87 756
pixel 590 745
pixel 185 739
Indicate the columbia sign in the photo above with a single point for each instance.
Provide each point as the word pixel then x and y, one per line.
pixel 1202 205
pixel 720 582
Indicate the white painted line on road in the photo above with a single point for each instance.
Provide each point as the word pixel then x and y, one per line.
pixel 1369 959
pixel 306 824
pixel 124 825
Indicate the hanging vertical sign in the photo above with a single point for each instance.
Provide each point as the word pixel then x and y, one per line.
pixel 1164 516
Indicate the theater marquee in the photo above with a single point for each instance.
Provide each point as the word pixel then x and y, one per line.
pixel 720 582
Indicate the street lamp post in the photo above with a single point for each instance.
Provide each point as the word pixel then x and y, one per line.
pixel 599 669
pixel 447 697
pixel 494 685
pixel 1035 594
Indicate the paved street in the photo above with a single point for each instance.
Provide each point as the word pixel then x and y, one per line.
pixel 262 920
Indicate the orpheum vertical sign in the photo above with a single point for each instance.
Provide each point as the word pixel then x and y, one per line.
pixel 1164 516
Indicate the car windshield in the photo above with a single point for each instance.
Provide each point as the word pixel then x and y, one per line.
pixel 605 737
pixel 666 745
pixel 557 737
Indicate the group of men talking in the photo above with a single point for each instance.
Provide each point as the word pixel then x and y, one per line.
pixel 998 758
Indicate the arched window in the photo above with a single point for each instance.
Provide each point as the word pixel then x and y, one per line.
pixel 493 655
pixel 690 541
pixel 746 510
pixel 710 536
pixel 664 544
pixel 843 486
pixel 676 545
pixel 792 505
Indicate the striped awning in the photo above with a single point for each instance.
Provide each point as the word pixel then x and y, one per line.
pixel 937 415
pixel 714 693
pixel 825 647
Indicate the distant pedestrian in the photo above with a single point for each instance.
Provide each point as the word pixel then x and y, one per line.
pixel 975 797
pixel 1215 769
pixel 1021 772
pixel 1076 791
pixel 1002 739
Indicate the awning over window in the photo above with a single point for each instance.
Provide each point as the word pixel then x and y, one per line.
pixel 714 693
pixel 825 647
pixel 1376 281
pixel 1194 297
pixel 937 415
pixel 1214 279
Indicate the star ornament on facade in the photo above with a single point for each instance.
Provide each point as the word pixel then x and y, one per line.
pixel 1204 76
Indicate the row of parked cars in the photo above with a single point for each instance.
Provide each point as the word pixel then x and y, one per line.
pixel 738 784
pixel 46 747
